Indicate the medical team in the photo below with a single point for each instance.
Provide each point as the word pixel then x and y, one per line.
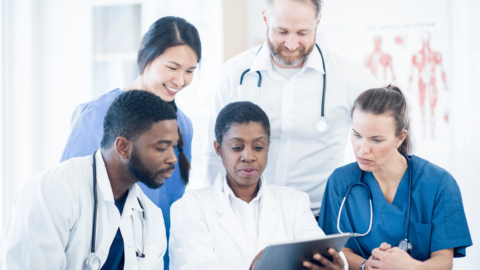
pixel 276 136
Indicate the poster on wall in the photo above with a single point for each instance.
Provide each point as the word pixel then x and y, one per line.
pixel 414 56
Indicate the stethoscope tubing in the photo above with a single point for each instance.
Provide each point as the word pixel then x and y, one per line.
pixel 362 182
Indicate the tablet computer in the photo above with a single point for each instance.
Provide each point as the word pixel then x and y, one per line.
pixel 292 255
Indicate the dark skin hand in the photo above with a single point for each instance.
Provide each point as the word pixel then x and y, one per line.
pixel 336 264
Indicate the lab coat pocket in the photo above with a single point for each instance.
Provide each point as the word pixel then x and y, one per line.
pixel 153 258
pixel 420 235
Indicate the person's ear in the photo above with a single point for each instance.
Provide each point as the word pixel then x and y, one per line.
pixel 401 137
pixel 218 148
pixel 123 147
pixel 265 17
pixel 319 18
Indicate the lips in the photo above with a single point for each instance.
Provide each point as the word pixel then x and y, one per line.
pixel 364 161
pixel 248 171
pixel 170 90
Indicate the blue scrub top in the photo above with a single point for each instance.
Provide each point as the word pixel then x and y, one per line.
pixel 437 218
pixel 86 137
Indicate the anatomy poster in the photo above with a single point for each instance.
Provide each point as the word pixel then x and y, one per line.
pixel 414 57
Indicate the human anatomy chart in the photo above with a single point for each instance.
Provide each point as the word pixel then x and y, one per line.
pixel 413 56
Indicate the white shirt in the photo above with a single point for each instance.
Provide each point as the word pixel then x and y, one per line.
pixel 246 213
pixel 299 157
pixel 205 232
pixel 286 73
pixel 51 222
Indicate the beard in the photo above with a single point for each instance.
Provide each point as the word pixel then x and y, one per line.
pixel 276 53
pixel 142 174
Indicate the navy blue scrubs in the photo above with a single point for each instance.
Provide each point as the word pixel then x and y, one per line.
pixel 437 217
pixel 116 257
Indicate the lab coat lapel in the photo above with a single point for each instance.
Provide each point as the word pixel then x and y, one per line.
pixel 227 218
pixel 268 218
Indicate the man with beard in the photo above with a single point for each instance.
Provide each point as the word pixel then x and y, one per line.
pixel 88 212
pixel 286 78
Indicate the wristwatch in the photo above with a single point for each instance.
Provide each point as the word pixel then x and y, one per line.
pixel 362 267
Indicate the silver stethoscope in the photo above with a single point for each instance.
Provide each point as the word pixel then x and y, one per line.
pixel 93 262
pixel 404 245
pixel 321 125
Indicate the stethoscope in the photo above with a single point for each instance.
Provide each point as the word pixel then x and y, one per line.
pixel 93 262
pixel 321 125
pixel 404 245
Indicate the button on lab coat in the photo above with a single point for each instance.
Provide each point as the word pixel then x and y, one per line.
pixel 206 233
pixel 299 157
pixel 51 223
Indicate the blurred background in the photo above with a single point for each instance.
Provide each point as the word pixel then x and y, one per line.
pixel 56 54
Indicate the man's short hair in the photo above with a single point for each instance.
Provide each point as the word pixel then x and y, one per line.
pixel 133 113
pixel 317 4
pixel 241 112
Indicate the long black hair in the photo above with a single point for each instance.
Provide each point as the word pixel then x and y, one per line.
pixel 165 33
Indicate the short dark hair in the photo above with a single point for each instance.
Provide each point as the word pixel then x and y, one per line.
pixel 242 112
pixel 133 113
pixel 165 33
pixel 388 100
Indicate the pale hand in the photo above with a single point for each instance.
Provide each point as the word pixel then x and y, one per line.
pixel 390 259
pixel 256 259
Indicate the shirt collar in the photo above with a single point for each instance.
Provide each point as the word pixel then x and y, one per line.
pixel 229 192
pixel 106 188
pixel 263 60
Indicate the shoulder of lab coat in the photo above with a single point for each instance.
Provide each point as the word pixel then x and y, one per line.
pixel 338 69
pixel 38 229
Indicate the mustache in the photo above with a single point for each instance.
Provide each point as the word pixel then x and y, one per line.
pixel 166 170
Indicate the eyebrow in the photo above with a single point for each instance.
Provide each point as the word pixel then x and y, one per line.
pixel 240 139
pixel 165 141
pixel 178 65
pixel 376 136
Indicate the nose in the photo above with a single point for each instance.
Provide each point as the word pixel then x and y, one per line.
pixel 172 157
pixel 247 155
pixel 365 147
pixel 179 79
pixel 292 42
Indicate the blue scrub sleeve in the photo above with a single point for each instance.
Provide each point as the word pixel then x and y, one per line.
pixel 86 134
pixel 450 228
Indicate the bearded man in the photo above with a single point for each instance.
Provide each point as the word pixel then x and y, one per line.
pixel 306 91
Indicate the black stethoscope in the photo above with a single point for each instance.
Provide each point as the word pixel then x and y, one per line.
pixel 93 262
pixel 404 245
pixel 321 125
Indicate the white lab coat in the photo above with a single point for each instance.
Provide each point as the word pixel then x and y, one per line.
pixel 206 234
pixel 299 157
pixel 51 223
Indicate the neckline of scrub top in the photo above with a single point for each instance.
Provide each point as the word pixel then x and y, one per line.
pixel 379 199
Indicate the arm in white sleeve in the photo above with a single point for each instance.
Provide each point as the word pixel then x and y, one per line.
pixel 38 229
pixel 211 163
pixel 306 226
pixel 191 246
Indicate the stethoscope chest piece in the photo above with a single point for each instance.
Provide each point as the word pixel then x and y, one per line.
pixel 405 246
pixel 93 263
pixel 321 125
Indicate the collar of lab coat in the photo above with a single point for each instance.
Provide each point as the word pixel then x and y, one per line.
pixel 106 188
pixel 229 192
pixel 268 217
pixel 263 61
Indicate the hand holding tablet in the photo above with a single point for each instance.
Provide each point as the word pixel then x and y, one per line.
pixel 313 254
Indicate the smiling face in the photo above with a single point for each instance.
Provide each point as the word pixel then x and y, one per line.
pixel 153 157
pixel 291 28
pixel 170 72
pixel 373 139
pixel 244 152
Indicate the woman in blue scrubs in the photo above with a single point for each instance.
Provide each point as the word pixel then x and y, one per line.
pixel 168 56
pixel 399 184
